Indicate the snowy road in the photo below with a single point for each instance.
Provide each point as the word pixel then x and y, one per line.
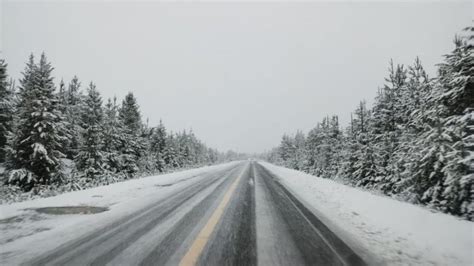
pixel 234 216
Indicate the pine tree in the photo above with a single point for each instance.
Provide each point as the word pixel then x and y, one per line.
pixel 350 146
pixel 130 115
pixel 113 136
pixel 426 179
pixel 62 96
pixel 91 158
pixel 6 110
pixel 336 146
pixel 170 155
pixel 287 151
pixel 313 142
pixel 365 172
pixel 387 119
pixel 133 146
pixel 300 153
pixel 158 145
pixel 413 100
pixel 37 145
pixel 146 162
pixel 441 172
pixel 73 101
pixel 456 80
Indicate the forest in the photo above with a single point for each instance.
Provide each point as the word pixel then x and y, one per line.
pixel 62 138
pixel 416 143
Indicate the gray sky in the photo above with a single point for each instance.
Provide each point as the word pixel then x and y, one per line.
pixel 239 74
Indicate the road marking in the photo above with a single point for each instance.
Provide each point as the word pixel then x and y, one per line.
pixel 202 238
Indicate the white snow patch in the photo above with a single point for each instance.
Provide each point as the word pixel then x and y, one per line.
pixel 381 229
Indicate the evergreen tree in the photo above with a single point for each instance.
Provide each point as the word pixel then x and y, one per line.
pixel 113 136
pixel 387 120
pixel 287 151
pixel 441 170
pixel 73 100
pixel 336 147
pixel 158 145
pixel 313 142
pixel 130 115
pixel 349 148
pixel 62 96
pixel 170 155
pixel 365 172
pixel 6 110
pixel 456 96
pixel 300 152
pixel 91 158
pixel 413 99
pixel 41 130
pixel 132 144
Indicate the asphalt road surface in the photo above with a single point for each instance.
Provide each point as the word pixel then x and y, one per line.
pixel 238 216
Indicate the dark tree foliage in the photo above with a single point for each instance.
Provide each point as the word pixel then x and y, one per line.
pixel 130 114
pixel 6 110
pixel 91 157
pixel 37 149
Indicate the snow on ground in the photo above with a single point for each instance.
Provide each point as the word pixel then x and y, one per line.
pixel 381 229
pixel 24 232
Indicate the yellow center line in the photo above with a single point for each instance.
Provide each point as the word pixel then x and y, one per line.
pixel 202 238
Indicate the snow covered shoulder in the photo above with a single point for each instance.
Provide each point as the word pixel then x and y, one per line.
pixel 381 229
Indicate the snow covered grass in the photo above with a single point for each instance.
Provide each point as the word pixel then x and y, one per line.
pixel 383 230
pixel 24 232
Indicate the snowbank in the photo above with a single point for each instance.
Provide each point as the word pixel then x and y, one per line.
pixel 381 229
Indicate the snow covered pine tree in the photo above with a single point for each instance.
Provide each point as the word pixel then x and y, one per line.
pixel 37 150
pixel 6 110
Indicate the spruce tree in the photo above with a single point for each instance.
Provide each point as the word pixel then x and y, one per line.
pixel 113 136
pixel 73 100
pixel 414 103
pixel 130 114
pixel 387 119
pixel 288 151
pixel 349 148
pixel 41 128
pixel 441 172
pixel 133 145
pixel 170 155
pixel 158 145
pixel 300 153
pixel 62 96
pixel 335 142
pixel 91 158
pixel 365 172
pixel 313 142
pixel 6 110
pixel 456 81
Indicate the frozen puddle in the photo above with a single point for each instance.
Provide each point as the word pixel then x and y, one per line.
pixel 36 220
pixel 71 210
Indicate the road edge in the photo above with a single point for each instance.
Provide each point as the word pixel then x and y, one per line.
pixel 342 234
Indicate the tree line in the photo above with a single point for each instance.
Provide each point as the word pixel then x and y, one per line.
pixel 44 129
pixel 416 143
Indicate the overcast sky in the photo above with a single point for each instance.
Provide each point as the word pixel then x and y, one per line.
pixel 239 74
